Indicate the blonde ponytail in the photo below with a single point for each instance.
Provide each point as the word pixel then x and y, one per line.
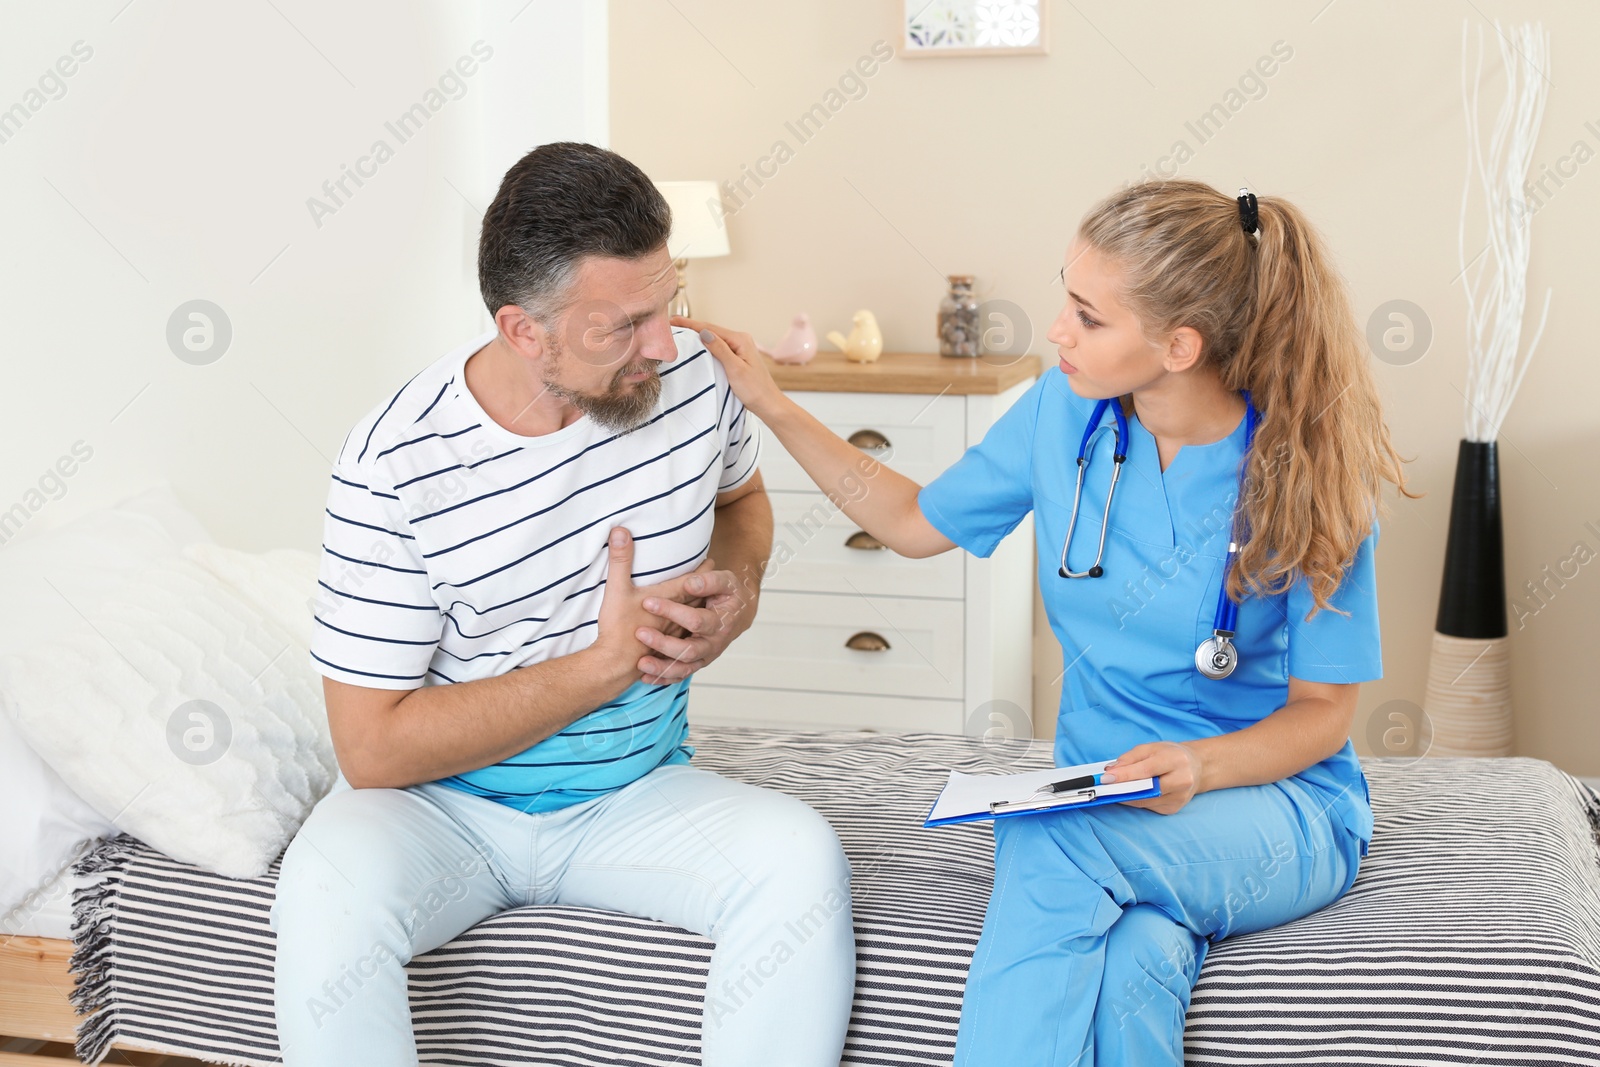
pixel 1275 318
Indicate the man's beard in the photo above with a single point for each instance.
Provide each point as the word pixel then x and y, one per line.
pixel 623 407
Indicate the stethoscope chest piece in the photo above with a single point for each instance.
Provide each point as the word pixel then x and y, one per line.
pixel 1216 657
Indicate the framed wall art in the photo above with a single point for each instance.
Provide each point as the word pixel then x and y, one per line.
pixel 972 28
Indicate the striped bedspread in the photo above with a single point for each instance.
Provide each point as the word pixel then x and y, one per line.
pixel 1472 935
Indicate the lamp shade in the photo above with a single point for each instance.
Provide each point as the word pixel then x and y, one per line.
pixel 698 231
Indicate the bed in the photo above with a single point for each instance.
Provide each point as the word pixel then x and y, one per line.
pixel 1471 936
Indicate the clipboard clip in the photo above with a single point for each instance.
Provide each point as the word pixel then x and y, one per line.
pixel 1057 800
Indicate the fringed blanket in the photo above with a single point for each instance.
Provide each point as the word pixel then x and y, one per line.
pixel 1471 936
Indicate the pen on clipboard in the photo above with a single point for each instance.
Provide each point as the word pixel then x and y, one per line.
pixel 1067 785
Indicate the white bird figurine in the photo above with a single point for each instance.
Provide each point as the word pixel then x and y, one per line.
pixel 798 345
pixel 865 342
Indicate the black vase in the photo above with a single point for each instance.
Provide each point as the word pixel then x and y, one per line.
pixel 1472 598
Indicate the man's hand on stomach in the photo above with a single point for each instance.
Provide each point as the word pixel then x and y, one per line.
pixel 690 633
pixel 624 619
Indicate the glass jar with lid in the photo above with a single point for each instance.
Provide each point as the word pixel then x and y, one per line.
pixel 958 319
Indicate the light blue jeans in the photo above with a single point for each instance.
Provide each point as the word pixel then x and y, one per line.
pixel 377 876
pixel 1100 919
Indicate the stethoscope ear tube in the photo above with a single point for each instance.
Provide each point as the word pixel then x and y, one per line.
pixel 1118 456
pixel 1217 656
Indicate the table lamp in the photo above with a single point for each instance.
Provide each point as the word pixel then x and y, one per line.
pixel 698 231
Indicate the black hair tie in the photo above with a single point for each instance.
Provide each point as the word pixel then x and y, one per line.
pixel 1249 218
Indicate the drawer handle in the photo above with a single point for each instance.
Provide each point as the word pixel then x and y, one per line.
pixel 870 440
pixel 864 541
pixel 867 641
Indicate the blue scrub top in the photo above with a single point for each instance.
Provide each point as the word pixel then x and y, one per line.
pixel 1128 637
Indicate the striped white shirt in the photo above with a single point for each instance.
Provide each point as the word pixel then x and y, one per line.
pixel 454 549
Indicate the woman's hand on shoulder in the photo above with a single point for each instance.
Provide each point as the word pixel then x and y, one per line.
pixel 1177 765
pixel 743 363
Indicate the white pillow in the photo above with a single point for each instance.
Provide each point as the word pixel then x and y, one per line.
pixel 182 715
pixel 41 831
pixel 45 578
pixel 279 584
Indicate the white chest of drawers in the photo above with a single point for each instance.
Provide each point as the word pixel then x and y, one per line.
pixel 851 635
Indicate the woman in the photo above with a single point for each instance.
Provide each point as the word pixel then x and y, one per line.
pixel 1215 324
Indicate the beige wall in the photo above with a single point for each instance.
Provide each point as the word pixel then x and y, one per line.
pixel 984 165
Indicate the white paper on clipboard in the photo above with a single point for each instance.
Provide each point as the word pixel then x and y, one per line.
pixel 970 796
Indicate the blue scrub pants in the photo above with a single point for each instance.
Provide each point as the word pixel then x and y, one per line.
pixel 1100 918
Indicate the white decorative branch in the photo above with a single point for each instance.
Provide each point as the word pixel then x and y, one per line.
pixel 1497 289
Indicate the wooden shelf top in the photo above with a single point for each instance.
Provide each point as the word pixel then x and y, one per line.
pixel 907 372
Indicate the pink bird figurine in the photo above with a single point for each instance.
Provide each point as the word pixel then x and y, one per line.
pixel 798 345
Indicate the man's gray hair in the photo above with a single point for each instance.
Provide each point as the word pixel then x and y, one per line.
pixel 560 203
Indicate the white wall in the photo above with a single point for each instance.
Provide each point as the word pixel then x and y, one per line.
pixel 176 163
pixel 556 89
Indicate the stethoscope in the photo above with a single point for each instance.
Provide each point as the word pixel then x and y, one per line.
pixel 1216 656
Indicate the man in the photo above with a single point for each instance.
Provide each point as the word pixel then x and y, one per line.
pixel 516 585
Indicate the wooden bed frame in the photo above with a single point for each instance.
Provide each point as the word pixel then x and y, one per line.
pixel 34 1007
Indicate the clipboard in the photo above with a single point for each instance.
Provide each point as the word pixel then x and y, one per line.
pixel 973 797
